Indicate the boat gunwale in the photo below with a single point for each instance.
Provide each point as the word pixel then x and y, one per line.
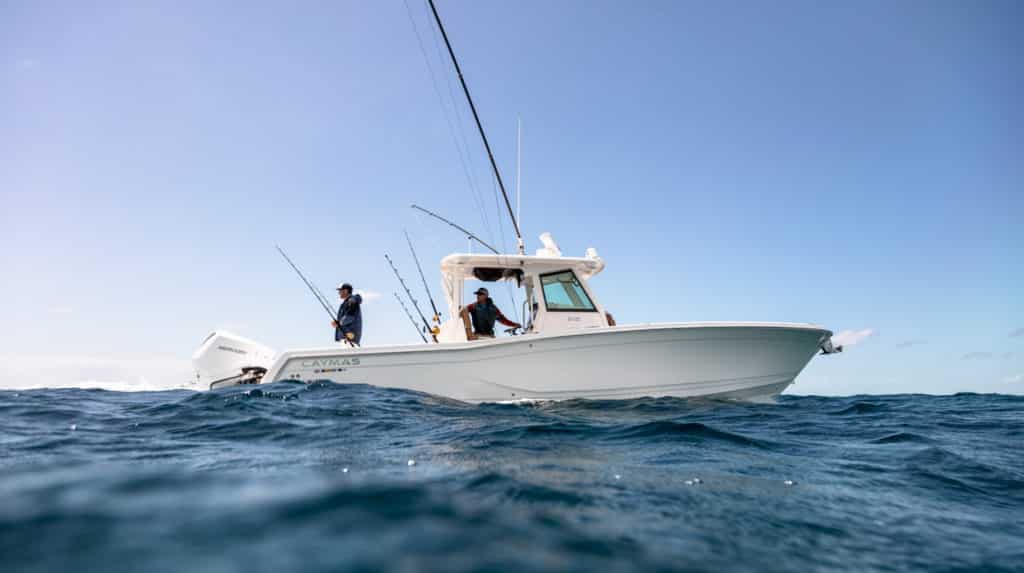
pixel 286 355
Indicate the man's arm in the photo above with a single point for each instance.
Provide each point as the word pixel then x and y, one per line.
pixel 505 321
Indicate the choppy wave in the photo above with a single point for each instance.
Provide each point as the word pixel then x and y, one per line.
pixel 323 477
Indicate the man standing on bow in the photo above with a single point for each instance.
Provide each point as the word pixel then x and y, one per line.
pixel 349 325
pixel 483 313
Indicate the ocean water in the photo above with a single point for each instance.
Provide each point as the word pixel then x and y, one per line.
pixel 290 477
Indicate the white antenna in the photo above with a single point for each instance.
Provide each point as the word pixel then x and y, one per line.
pixel 519 159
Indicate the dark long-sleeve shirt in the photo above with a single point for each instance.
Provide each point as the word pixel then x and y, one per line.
pixel 484 315
pixel 350 319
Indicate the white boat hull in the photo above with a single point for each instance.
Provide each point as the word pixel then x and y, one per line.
pixel 749 361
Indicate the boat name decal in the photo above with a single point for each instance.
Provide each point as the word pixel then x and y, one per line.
pixel 330 362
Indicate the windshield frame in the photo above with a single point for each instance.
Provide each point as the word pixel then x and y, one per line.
pixel 544 294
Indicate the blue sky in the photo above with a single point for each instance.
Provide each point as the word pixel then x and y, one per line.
pixel 856 165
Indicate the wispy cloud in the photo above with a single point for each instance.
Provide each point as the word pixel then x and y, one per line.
pixel 27 64
pixel 1017 333
pixel 1015 379
pixel 988 355
pixel 60 310
pixel 909 343
pixel 368 295
pixel 851 337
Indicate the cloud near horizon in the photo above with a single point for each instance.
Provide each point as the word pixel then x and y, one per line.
pixel 128 371
pixel 1017 333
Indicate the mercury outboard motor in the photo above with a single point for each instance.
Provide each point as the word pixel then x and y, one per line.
pixel 828 348
pixel 225 359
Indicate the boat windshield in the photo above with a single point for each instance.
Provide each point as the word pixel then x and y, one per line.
pixel 563 292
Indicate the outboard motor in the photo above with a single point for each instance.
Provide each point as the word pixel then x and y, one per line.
pixel 828 348
pixel 226 359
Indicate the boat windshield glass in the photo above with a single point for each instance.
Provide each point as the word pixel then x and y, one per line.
pixel 563 291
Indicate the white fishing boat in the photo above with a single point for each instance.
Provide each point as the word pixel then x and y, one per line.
pixel 568 348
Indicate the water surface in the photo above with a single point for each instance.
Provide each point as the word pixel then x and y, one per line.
pixel 290 477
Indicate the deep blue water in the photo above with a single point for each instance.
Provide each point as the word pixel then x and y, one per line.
pixel 290 477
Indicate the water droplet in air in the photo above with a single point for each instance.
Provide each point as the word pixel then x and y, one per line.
pixel 344 470
pixel 789 482
pixel 617 476
pixel 74 427
pixel 412 463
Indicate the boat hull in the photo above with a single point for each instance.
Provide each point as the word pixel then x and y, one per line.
pixel 732 361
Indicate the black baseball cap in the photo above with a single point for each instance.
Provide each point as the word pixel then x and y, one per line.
pixel 345 286
pixel 482 290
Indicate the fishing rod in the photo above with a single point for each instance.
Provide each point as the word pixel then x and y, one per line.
pixel 409 314
pixel 323 297
pixel 426 323
pixel 319 296
pixel 469 234
pixel 437 315
pixel 480 128
pixel 316 294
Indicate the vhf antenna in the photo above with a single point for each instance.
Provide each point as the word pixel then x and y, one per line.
pixel 480 128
